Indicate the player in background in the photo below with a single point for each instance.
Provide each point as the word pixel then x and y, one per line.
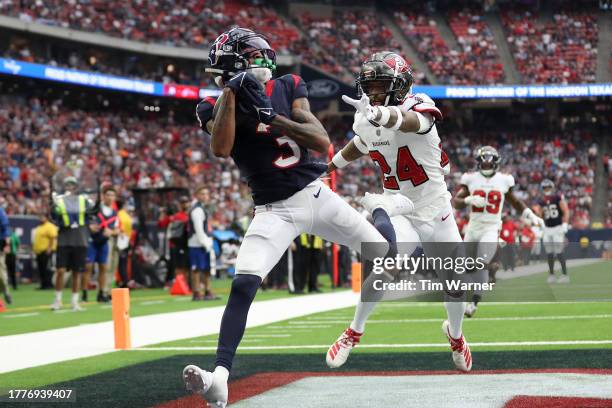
pixel 553 208
pixel 484 192
pixel 397 130
pixel 267 128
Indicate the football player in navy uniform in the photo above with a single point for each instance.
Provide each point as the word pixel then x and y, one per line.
pixel 553 209
pixel 266 126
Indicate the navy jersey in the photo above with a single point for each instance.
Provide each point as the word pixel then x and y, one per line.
pixel 551 210
pixel 275 167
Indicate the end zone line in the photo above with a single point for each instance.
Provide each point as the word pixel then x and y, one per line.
pixel 411 345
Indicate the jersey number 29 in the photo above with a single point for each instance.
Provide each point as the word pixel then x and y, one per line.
pixel 493 201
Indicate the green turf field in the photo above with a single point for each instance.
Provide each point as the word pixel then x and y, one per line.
pixel 31 309
pixel 399 336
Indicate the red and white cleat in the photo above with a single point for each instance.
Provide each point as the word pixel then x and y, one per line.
pixel 462 356
pixel 339 351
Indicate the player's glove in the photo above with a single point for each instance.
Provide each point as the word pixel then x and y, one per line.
pixel 362 106
pixel 565 227
pixel 531 217
pixel 251 98
pixel 476 201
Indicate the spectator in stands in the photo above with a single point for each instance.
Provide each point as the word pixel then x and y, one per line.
pixel 4 249
pixel 44 244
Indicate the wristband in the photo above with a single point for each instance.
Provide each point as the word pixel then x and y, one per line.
pixel 400 118
pixel 385 115
pixel 339 161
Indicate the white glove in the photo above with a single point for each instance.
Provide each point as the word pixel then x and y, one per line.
pixel 362 106
pixel 565 227
pixel 534 219
pixel 476 201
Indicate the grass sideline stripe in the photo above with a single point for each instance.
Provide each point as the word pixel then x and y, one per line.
pixel 412 345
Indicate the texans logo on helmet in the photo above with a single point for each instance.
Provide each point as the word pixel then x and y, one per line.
pixel 397 63
pixel 222 39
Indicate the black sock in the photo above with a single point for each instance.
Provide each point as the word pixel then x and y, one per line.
pixel 561 258
pixel 244 288
pixel 476 298
pixel 382 222
pixel 551 264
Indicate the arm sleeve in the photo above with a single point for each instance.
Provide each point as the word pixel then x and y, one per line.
pixel 426 121
pixel 198 217
pixel 204 111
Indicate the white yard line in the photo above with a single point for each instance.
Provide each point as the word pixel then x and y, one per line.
pixel 476 319
pixel 52 346
pixel 408 345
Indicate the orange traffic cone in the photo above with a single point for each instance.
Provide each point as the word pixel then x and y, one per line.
pixel 2 308
pixel 180 286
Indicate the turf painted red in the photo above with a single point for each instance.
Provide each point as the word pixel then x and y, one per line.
pixel 259 383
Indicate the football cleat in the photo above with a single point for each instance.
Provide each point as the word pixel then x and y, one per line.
pixel 551 279
pixel 57 305
pixel 563 279
pixel 470 310
pixel 392 204
pixel 462 356
pixel 339 351
pixel 203 382
pixel 77 308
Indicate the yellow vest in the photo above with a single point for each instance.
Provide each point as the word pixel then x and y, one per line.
pixel 317 242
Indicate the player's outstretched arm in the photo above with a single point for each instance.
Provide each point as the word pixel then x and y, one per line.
pixel 459 199
pixel 521 208
pixel 352 151
pixel 305 129
pixel 224 124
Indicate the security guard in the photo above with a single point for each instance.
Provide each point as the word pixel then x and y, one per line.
pixel 71 212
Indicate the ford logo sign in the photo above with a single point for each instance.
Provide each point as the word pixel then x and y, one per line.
pixel 322 88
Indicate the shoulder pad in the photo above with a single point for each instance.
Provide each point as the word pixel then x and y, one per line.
pixel 423 104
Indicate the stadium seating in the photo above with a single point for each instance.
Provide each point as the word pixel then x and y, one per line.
pixel 477 62
pixel 561 51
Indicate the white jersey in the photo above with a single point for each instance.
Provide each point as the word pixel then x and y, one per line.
pixel 412 164
pixel 493 189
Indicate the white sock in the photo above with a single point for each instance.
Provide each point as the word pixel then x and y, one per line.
pixel 58 295
pixel 455 311
pixel 75 298
pixel 362 312
pixel 221 373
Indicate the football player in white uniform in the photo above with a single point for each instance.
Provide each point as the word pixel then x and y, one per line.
pixel 484 191
pixel 398 131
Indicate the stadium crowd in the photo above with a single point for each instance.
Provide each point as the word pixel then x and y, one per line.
pixel 130 152
pixel 475 62
pixel 119 148
pixel 561 51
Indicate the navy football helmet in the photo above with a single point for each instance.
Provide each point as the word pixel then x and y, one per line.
pixel 233 50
